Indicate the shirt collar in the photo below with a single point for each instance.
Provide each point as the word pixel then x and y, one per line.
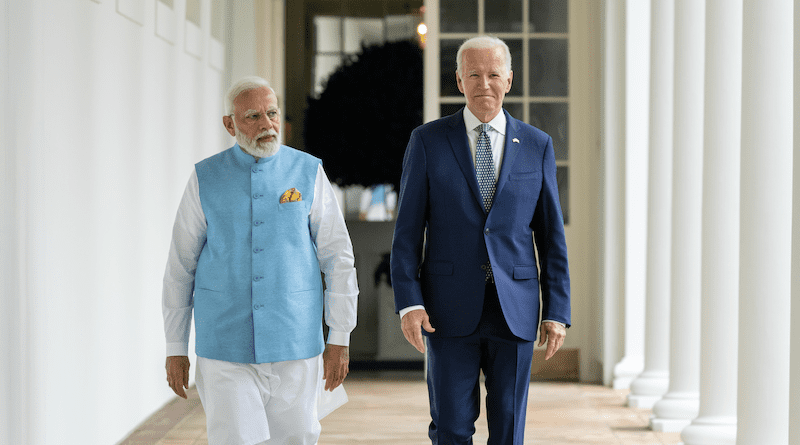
pixel 498 123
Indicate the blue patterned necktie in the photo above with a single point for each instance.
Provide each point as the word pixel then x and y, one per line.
pixel 484 166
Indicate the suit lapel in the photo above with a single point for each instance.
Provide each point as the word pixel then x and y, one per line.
pixel 511 149
pixel 460 146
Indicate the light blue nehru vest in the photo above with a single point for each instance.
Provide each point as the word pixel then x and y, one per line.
pixel 258 290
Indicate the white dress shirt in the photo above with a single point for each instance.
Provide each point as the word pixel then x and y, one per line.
pixel 334 253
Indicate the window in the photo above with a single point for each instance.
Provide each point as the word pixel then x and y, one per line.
pixel 337 38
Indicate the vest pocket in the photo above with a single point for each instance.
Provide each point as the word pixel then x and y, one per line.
pixel 292 206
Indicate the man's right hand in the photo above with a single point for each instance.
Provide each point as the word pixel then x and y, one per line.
pixel 412 325
pixel 178 374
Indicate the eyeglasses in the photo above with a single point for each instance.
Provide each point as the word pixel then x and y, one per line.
pixel 254 116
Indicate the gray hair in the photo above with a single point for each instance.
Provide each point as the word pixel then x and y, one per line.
pixel 482 42
pixel 242 85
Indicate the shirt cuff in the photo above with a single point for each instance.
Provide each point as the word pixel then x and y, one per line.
pixel 177 349
pixel 403 312
pixel 338 338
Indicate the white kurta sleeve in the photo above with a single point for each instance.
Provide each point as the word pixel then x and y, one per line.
pixel 336 260
pixel 188 239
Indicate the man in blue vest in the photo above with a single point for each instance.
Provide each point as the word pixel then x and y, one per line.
pixel 257 224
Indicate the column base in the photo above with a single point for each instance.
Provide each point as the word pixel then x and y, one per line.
pixel 717 430
pixel 627 370
pixel 675 411
pixel 648 388
pixel 636 401
pixel 668 425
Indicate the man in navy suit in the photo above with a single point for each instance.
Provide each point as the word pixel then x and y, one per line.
pixel 472 200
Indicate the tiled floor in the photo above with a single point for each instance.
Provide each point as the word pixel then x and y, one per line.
pixel 392 408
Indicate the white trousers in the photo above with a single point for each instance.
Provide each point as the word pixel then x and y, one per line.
pixel 268 403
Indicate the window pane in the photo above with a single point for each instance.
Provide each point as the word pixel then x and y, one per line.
pixel 324 66
pixel 448 109
pixel 503 16
pixel 361 31
pixel 217 20
pixel 328 34
pixel 548 69
pixel 548 15
pixel 458 15
pixel 447 67
pixel 401 27
pixel 193 11
pixel 515 47
pixel 514 109
pixel 562 178
pixel 552 119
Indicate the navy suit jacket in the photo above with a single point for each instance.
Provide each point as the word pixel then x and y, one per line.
pixel 443 237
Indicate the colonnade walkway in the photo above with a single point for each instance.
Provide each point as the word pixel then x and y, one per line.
pixel 391 408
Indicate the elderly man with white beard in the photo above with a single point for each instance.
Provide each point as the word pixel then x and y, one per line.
pixel 257 224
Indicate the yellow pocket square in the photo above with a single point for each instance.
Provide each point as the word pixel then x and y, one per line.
pixel 291 195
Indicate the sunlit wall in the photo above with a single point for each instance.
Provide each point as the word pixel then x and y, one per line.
pixel 106 105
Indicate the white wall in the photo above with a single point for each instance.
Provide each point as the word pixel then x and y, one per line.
pixel 101 123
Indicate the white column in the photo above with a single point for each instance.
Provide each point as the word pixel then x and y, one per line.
pixel 716 422
pixel 766 223
pixel 430 56
pixel 680 405
pixel 794 397
pixel 270 18
pixel 637 94
pixel 653 382
pixel 614 144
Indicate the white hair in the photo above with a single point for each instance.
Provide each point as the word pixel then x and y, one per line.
pixel 242 85
pixel 482 42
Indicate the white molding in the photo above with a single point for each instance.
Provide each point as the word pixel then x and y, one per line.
pixel 216 54
pixel 193 39
pixel 132 9
pixel 166 26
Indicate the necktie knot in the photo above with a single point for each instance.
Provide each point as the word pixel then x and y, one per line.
pixel 483 128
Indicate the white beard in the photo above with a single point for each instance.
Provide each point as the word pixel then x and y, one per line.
pixel 254 148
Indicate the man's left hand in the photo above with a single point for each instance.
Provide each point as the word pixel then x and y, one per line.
pixel 336 361
pixel 553 334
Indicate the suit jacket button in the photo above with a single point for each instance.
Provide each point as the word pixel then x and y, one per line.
pixel 486 231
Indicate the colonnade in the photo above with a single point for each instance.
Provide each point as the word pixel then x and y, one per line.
pixel 720 164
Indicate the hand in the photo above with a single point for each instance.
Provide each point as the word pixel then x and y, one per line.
pixel 336 361
pixel 178 374
pixel 553 334
pixel 412 325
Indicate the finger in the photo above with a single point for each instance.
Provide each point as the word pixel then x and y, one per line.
pixel 414 336
pixel 553 345
pixel 177 388
pixel 418 342
pixel 330 383
pixel 180 392
pixel 337 378
pixel 542 336
pixel 427 325
pixel 551 349
pixel 330 377
pixel 340 375
pixel 180 382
